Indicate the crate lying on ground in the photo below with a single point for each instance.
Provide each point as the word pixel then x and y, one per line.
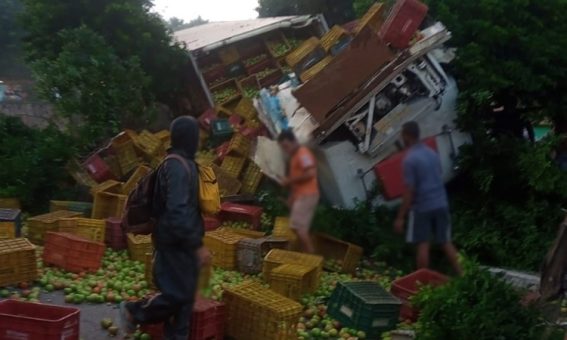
pixel 251 253
pixel 258 313
pixel 107 205
pixel 17 262
pixel 222 244
pixel 277 257
pixel 10 223
pixel 406 287
pixel 241 212
pixel 72 253
pixel 139 246
pixel 27 320
pixel 140 173
pixel 253 234
pixel 88 228
pixel 293 280
pixel 38 226
pixel 228 185
pixel 84 208
pixel 339 255
pixel 10 203
pixel 233 165
pixel 364 306
pixel 207 322
pixel 239 145
pixel 111 185
pixel 204 274
pixel 114 235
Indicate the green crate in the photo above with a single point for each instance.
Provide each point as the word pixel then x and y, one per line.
pixel 364 306
pixel 221 131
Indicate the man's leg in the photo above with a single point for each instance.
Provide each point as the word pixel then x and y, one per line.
pixel 177 327
pixel 422 258
pixel 419 233
pixel 305 239
pixel 453 257
pixel 443 237
pixel 302 212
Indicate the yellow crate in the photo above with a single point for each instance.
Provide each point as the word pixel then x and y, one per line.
pixel 88 228
pixel 222 244
pixel 233 165
pixel 18 262
pixel 165 137
pixel 347 254
pixel 114 165
pixel 204 274
pixel 110 185
pixel 131 183
pixel 39 225
pixel 257 313
pixel 312 72
pixel 373 18
pixel 7 230
pixel 282 229
pixel 10 203
pixel 251 178
pixel 302 51
pixel 148 144
pixel 108 204
pixel 277 257
pixel 139 246
pixel 76 171
pixel 334 35
pixel 245 109
pixel 228 185
pixel 239 145
pixel 254 234
pixel 126 156
pixel 294 280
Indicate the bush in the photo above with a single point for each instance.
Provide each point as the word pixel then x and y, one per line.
pixel 33 163
pixel 476 306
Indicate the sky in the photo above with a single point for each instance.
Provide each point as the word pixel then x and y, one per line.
pixel 212 10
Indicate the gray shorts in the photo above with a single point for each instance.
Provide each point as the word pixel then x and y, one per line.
pixel 429 226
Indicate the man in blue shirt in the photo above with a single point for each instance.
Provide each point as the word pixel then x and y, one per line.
pixel 424 202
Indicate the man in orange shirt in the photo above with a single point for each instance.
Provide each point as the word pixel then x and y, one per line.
pixel 302 181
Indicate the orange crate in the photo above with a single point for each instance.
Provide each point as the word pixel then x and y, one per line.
pixel 346 255
pixel 90 229
pixel 257 313
pixel 251 178
pixel 39 225
pixel 302 51
pixel 110 185
pixel 132 182
pixel 17 262
pixel 277 257
pixel 72 253
pixel 222 244
pixel 139 246
pixel 233 165
pixel 108 205
pixel 312 72
pixel 293 280
pixel 228 185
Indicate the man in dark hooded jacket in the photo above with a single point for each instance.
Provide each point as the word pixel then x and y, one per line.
pixel 177 238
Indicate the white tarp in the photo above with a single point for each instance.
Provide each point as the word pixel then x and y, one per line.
pixel 270 158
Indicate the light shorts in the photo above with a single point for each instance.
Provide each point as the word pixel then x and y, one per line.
pixel 429 226
pixel 302 211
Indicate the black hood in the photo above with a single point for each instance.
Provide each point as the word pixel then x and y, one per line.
pixel 185 135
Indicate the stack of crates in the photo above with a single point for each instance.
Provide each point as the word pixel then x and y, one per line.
pixel 239 145
pixel 17 262
pixel 38 226
pixel 251 178
pixel 223 245
pixel 233 165
pixel 132 182
pixel 88 228
pixel 114 236
pixel 293 280
pixel 257 313
pixel 139 246
pixel 278 257
pixel 107 204
pixel 364 306
pixel 84 208
pixel 10 223
pixel 251 253
pixel 72 253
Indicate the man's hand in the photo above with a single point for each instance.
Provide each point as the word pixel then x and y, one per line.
pixel 285 181
pixel 205 256
pixel 399 225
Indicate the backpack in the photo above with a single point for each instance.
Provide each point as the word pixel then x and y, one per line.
pixel 138 219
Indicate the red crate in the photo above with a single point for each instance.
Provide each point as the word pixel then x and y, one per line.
pixel 390 173
pixel 211 223
pixel 222 151
pixel 207 322
pixel 72 253
pixel 97 168
pixel 206 118
pixel 406 287
pixel 240 212
pixel 37 321
pixel 236 121
pixel 403 22
pixel 115 237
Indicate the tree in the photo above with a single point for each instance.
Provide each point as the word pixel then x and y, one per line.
pixel 335 11
pixel 176 24
pixel 127 27
pixel 10 35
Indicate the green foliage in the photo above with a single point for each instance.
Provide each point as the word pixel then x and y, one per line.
pixel 362 6
pixel 88 78
pixel 10 35
pixel 335 11
pixel 33 162
pixel 476 306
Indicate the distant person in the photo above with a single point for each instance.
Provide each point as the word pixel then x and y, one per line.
pixel 304 187
pixel 178 240
pixel 424 202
